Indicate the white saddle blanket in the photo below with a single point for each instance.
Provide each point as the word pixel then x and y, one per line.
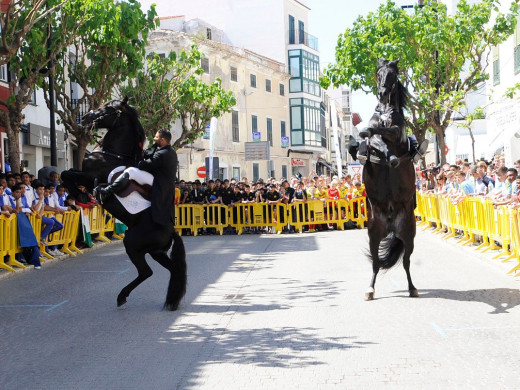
pixel 133 203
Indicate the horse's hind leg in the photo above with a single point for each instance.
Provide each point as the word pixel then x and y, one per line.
pixel 375 235
pixel 408 249
pixel 408 239
pixel 143 269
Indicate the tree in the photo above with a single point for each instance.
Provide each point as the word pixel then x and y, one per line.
pixel 467 124
pixel 17 18
pixel 442 57
pixel 171 88
pixel 198 102
pixel 159 82
pixel 108 48
pixel 30 65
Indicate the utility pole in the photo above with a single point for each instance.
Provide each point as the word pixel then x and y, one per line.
pixel 52 118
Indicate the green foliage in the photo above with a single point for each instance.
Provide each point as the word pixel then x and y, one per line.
pixel 442 57
pixel 52 27
pixel 198 102
pixel 170 89
pixel 156 87
pixel 108 48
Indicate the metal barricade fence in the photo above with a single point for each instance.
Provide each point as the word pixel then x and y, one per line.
pixel 476 219
pixel 63 236
pixel 189 216
pixel 7 243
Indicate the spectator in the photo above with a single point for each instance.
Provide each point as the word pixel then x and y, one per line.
pixel 29 193
pixel 4 207
pixel 49 224
pixel 28 241
pixel 85 199
pixel 197 194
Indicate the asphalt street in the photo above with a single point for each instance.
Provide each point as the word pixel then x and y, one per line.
pixel 265 312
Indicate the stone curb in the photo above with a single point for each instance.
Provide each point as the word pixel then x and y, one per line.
pixel 4 274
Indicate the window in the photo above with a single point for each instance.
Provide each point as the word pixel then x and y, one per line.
pixel 254 123
pixel 208 33
pixel 33 99
pixel 282 129
pixel 305 71
pixel 284 171
pixel 268 85
pixel 272 170
pixel 517 48
pixel 253 80
pixel 236 173
pixel 282 90
pixel 234 74
pixel 291 30
pixel 270 131
pixel 234 126
pixel 256 172
pixel 301 32
pixel 496 65
pixel 307 121
pixel 3 73
pixel 204 64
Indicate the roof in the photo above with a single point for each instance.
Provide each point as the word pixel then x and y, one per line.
pixel 170 17
pixel 356 119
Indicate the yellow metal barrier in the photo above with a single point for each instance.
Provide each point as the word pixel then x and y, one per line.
pixel 317 212
pixel 515 240
pixel 97 217
pixel 64 236
pixel 216 217
pixel 258 215
pixel 358 211
pixel 7 243
pixel 189 216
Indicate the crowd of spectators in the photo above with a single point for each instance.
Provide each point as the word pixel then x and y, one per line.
pixel 26 196
pixel 230 192
pixel 488 179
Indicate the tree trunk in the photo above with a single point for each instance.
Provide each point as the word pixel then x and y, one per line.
pixel 441 146
pixel 14 149
pixel 82 148
pixel 472 144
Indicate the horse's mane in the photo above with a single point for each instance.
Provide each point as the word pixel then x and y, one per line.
pixel 403 95
pixel 132 112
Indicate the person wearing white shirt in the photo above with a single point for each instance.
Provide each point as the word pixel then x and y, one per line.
pixel 29 191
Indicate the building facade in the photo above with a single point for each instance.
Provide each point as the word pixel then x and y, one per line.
pixel 276 29
pixel 503 113
pixel 261 113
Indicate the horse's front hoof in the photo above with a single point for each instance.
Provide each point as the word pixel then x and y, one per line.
pixel 369 295
pixel 170 307
pixel 414 293
pixel 121 300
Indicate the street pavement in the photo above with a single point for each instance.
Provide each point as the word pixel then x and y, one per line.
pixel 265 312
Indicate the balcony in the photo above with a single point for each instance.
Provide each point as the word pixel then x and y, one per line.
pixel 297 37
pixel 83 109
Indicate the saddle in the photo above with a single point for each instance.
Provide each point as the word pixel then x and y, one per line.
pixel 144 190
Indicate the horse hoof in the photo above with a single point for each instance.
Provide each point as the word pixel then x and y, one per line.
pixel 369 295
pixel 121 301
pixel 414 293
pixel 170 307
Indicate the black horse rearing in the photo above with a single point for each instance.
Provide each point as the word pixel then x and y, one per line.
pixel 390 191
pixel 122 144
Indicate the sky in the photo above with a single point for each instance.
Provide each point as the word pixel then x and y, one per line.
pixel 328 19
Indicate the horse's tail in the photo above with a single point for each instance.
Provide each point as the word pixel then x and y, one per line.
pixel 178 278
pixel 391 251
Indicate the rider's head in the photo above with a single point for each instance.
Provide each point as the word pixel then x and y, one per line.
pixel 162 138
